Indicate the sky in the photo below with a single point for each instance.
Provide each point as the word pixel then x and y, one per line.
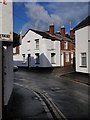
pixel 38 15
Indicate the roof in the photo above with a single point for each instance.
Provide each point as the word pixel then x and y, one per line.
pixel 62 37
pixel 44 34
pixel 84 23
pixel 56 36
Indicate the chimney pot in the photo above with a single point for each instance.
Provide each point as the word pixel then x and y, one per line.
pixel 63 30
pixel 66 34
pixel 51 28
pixel 71 33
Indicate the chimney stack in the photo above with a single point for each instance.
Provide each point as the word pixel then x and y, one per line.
pixel 71 33
pixel 63 30
pixel 66 34
pixel 51 29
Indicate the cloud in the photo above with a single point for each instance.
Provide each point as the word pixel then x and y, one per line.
pixel 42 14
pixel 39 17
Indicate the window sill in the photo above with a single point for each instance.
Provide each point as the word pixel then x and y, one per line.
pixel 83 66
pixel 51 49
pixel 37 49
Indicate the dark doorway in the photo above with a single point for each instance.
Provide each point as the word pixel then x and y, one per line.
pixel 29 60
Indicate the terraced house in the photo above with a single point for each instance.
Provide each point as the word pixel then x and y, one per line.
pixel 82 37
pixel 44 49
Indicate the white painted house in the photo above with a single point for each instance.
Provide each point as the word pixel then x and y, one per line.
pixel 6 53
pixel 82 38
pixel 37 49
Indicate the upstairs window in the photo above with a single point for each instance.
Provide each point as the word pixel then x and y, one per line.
pixel 67 57
pixel 52 45
pixel 83 59
pixel 37 43
pixel 65 45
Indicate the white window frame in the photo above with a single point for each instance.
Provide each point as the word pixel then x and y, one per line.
pixel 83 56
pixel 65 45
pixel 37 44
pixel 28 45
pixel 53 56
pixel 66 57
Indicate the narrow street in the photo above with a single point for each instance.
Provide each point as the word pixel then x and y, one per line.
pixel 70 97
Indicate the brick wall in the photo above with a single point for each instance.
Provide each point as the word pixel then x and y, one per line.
pixel 69 50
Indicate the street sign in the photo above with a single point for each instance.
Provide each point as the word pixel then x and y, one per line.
pixel 6 20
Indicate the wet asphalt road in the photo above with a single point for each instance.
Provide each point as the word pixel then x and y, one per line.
pixel 70 97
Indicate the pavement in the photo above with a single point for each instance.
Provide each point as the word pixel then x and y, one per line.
pixel 25 105
pixel 78 77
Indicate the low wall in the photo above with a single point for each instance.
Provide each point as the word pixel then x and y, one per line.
pixel 53 70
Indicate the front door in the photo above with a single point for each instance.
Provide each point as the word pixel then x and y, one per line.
pixel 62 59
pixel 29 60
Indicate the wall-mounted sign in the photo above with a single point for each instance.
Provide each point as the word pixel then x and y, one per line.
pixel 5 37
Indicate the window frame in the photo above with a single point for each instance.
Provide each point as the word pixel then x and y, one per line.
pixel 37 44
pixel 53 57
pixel 66 59
pixel 65 45
pixel 83 56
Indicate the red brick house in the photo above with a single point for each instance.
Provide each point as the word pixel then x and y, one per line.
pixel 66 45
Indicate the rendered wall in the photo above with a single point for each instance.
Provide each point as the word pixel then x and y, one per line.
pixel 8 77
pixel 0 80
pixel 45 50
pixel 6 21
pixel 81 38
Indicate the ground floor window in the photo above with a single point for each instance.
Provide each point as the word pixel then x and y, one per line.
pixel 53 58
pixel 83 59
pixel 37 61
pixel 23 58
pixel 67 57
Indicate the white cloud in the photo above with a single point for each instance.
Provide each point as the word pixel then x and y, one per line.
pixel 58 13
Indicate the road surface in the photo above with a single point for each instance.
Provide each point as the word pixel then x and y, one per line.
pixel 70 97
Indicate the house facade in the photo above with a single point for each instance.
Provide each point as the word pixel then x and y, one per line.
pixel 67 46
pixel 53 49
pixel 82 38
pixel 37 49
